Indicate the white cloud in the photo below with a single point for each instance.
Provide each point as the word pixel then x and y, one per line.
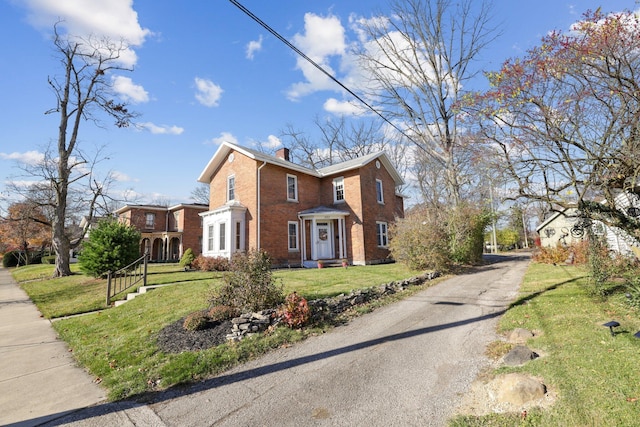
pixel 323 38
pixel 273 142
pixel 254 46
pixel 350 108
pixel 224 137
pixel 162 129
pixel 114 19
pixel 30 157
pixel 121 176
pixel 208 93
pixel 129 91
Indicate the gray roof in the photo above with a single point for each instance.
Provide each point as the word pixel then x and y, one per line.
pixel 337 168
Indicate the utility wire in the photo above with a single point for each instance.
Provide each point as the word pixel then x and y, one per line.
pixel 319 67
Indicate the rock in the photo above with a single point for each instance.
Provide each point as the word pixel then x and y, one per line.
pixel 519 335
pixel 519 355
pixel 519 389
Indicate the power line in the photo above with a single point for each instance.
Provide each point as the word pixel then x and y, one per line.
pixel 319 67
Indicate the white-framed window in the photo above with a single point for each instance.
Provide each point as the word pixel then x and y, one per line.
pixel 293 236
pixel 238 236
pixel 338 190
pixel 231 188
pixel 150 220
pixel 292 188
pixel 379 193
pixel 210 237
pixel 381 234
pixel 222 236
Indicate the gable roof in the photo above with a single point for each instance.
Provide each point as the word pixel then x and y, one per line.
pixel 226 147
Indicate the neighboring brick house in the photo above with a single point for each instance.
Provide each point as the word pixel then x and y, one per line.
pixel 166 231
pixel 296 214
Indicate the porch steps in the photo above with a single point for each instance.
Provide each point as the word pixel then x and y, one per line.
pixel 141 290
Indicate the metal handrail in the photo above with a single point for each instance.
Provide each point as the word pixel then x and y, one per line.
pixel 127 277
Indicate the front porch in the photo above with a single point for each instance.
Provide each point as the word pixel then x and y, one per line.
pixel 323 236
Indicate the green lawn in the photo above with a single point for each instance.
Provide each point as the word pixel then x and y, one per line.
pixel 118 345
pixel 596 376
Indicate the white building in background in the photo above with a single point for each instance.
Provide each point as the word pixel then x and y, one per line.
pixel 567 228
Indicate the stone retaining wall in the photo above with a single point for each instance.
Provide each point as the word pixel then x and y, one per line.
pixel 324 309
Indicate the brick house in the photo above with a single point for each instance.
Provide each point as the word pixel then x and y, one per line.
pixel 296 214
pixel 166 231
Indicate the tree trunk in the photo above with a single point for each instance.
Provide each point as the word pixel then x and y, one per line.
pixel 61 247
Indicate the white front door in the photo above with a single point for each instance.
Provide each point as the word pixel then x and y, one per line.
pixel 324 240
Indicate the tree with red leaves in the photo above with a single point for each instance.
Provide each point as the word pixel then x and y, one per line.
pixel 565 118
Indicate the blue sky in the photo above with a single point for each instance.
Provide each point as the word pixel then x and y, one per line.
pixel 205 72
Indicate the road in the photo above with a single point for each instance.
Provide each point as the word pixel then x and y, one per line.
pixel 405 364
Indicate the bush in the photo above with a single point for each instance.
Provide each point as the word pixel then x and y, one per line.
pixel 187 258
pixel 111 246
pixel 207 263
pixel 295 311
pixel 49 259
pixel 195 321
pixel 560 254
pixel 439 238
pixel 11 259
pixel 249 285
pixel 219 313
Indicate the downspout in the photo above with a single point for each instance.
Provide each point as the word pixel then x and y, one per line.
pixel 264 163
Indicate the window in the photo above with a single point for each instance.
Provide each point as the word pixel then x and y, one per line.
pixel 293 236
pixel 223 236
pixel 292 187
pixel 150 220
pixel 338 190
pixel 379 194
pixel 381 234
pixel 210 238
pixel 231 188
pixel 238 238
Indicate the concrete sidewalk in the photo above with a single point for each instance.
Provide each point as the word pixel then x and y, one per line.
pixel 39 379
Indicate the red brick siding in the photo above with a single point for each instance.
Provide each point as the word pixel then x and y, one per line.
pixel 374 211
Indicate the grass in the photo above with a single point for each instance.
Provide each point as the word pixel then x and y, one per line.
pixel 119 347
pixel 595 375
pixel 79 293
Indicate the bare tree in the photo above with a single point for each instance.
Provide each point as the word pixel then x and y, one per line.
pixel 200 194
pixel 67 181
pixel 419 61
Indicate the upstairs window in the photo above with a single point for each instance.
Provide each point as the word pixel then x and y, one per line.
pixel 231 188
pixel 379 194
pixel 150 220
pixel 292 188
pixel 338 190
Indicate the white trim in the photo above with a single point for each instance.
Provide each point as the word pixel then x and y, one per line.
pixel 380 234
pixel 231 178
pixel 381 199
pixel 336 181
pixel 295 189
pixel 297 242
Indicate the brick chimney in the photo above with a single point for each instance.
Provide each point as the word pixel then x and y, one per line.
pixel 283 154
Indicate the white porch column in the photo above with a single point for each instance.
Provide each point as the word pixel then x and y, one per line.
pixel 303 242
pixel 341 237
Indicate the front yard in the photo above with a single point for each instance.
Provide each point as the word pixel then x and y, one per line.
pixel 119 345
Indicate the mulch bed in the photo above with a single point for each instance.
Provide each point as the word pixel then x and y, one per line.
pixel 174 338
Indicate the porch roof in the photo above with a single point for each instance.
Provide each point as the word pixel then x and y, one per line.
pixel 322 210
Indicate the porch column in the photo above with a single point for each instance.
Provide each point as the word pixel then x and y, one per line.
pixel 341 238
pixel 303 242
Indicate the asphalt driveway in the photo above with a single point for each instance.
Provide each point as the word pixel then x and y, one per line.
pixel 406 364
